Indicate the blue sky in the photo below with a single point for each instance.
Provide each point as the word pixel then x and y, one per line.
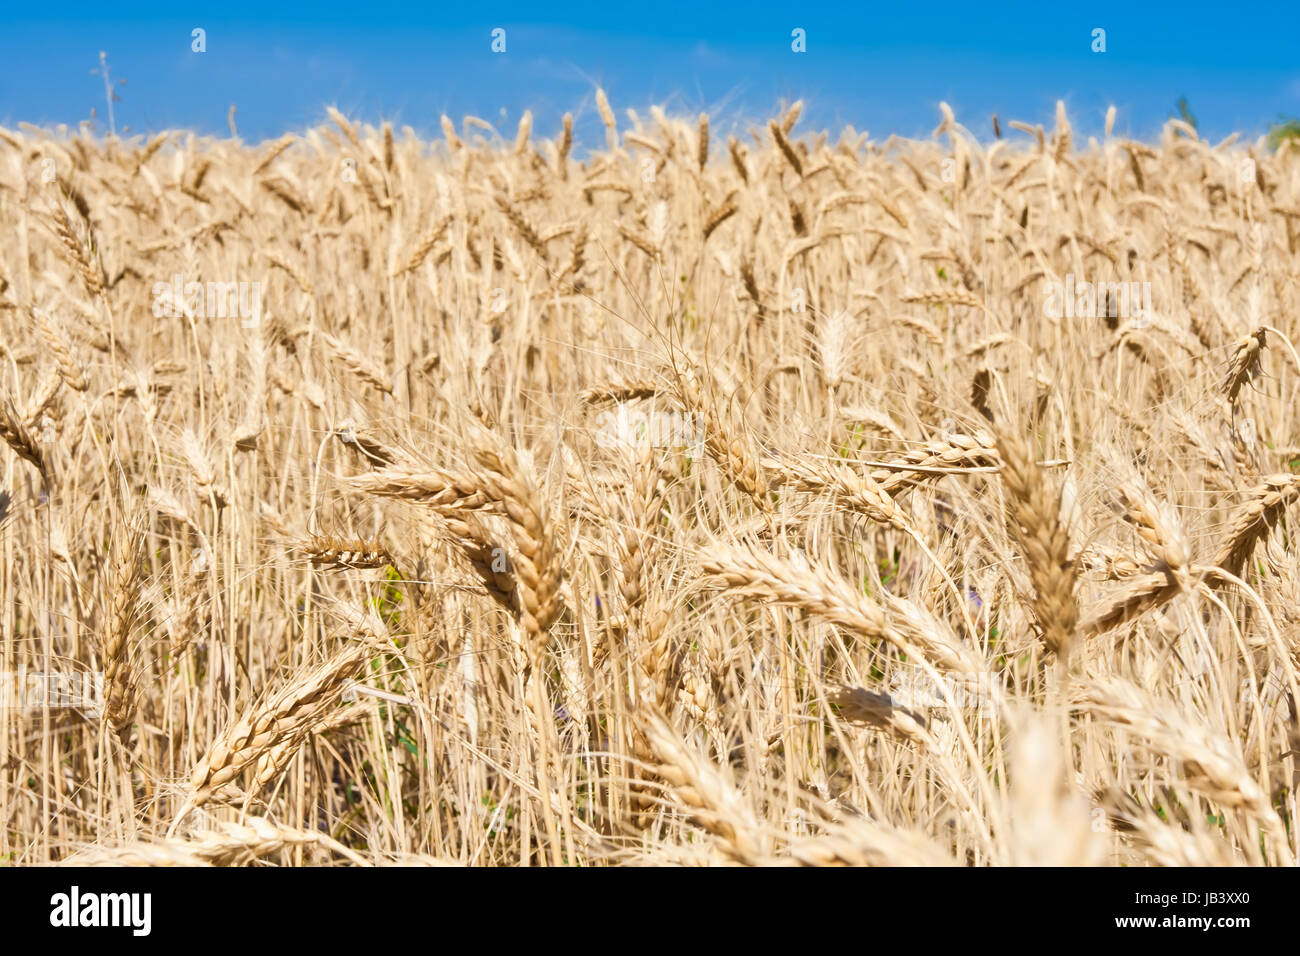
pixel 882 67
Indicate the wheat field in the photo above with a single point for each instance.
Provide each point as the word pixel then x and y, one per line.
pixel 755 498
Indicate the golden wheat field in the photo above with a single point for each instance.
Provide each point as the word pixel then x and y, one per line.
pixel 765 498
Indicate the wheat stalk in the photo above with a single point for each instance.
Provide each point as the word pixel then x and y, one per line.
pixel 1035 522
